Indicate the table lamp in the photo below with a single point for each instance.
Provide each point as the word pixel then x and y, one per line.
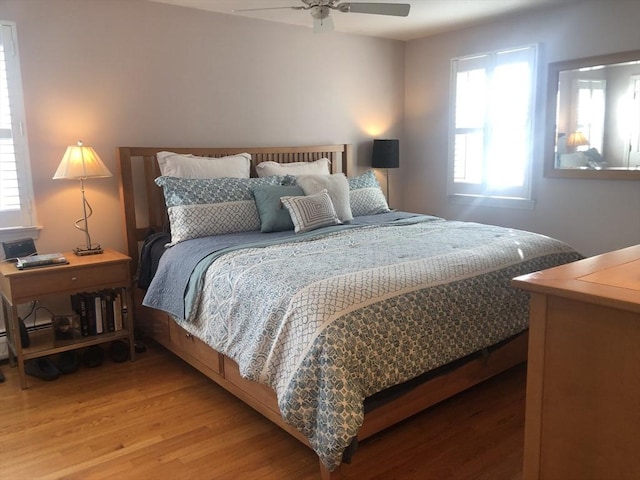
pixel 79 163
pixel 577 139
pixel 386 154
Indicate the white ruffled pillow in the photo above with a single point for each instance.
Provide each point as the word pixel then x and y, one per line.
pixel 191 166
pixel 319 167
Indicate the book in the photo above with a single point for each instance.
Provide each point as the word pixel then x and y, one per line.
pixel 91 312
pixel 124 309
pixel 98 308
pixel 79 305
pixel 42 260
pixel 109 317
pixel 117 311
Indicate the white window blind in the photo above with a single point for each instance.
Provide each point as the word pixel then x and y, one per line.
pixel 16 191
pixel 632 151
pixel 490 145
pixel 591 111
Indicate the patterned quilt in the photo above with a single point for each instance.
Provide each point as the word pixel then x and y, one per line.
pixel 331 320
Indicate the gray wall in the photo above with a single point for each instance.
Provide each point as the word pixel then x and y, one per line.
pixel 130 72
pixel 592 215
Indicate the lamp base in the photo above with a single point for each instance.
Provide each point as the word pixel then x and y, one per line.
pixel 92 250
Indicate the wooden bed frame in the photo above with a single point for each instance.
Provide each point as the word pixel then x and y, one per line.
pixel 144 209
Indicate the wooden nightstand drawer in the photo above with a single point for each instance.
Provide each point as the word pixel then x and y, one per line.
pixel 54 280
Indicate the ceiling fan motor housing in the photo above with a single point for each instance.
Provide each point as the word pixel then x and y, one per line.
pixel 320 12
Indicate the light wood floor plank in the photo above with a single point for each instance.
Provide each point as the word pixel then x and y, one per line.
pixel 159 418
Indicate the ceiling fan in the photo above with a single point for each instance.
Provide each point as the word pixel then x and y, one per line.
pixel 320 10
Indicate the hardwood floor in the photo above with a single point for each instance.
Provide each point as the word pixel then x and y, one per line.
pixel 158 418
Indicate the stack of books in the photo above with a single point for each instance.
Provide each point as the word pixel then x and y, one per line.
pixel 42 260
pixel 100 312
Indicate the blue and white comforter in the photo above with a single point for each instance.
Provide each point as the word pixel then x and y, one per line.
pixel 334 318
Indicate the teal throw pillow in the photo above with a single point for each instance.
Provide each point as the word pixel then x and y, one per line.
pixel 274 217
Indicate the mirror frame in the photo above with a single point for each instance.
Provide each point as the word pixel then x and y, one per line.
pixel 555 68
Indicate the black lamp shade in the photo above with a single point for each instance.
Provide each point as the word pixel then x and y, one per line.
pixel 386 154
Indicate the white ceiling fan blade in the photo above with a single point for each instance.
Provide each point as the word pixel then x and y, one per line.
pixel 395 9
pixel 321 25
pixel 268 8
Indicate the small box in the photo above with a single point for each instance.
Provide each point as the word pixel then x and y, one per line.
pixel 66 327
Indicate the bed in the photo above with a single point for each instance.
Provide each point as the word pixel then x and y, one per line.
pixel 333 333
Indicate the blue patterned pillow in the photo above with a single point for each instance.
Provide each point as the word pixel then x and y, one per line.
pixel 211 206
pixel 365 195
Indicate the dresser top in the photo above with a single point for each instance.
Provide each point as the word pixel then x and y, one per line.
pixel 611 279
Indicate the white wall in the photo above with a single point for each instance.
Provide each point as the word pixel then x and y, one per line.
pixel 592 215
pixel 130 72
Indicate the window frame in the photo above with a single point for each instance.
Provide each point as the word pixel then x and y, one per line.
pixel 482 193
pixel 22 222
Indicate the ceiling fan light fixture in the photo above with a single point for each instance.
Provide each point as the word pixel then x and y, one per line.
pixel 320 12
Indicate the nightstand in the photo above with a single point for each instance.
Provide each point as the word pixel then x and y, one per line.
pixel 90 273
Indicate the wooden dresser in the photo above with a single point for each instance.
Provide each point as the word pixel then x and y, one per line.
pixel 583 378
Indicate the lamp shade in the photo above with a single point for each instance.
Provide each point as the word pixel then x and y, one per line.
pixel 577 139
pixel 80 162
pixel 386 154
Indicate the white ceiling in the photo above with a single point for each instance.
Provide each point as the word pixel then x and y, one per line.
pixel 427 17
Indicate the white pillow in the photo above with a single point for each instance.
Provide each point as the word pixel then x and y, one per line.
pixel 319 167
pixel 311 212
pixel 336 186
pixel 190 166
pixel 573 160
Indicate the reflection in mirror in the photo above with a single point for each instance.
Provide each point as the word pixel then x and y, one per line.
pixel 593 117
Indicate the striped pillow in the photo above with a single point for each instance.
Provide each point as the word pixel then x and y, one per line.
pixel 311 212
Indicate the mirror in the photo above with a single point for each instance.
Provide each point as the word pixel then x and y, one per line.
pixel 593 118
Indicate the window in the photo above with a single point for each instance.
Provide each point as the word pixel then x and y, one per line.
pixel 490 145
pixel 16 191
pixel 590 111
pixel 633 124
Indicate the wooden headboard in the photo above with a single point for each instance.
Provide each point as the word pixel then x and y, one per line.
pixel 142 201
